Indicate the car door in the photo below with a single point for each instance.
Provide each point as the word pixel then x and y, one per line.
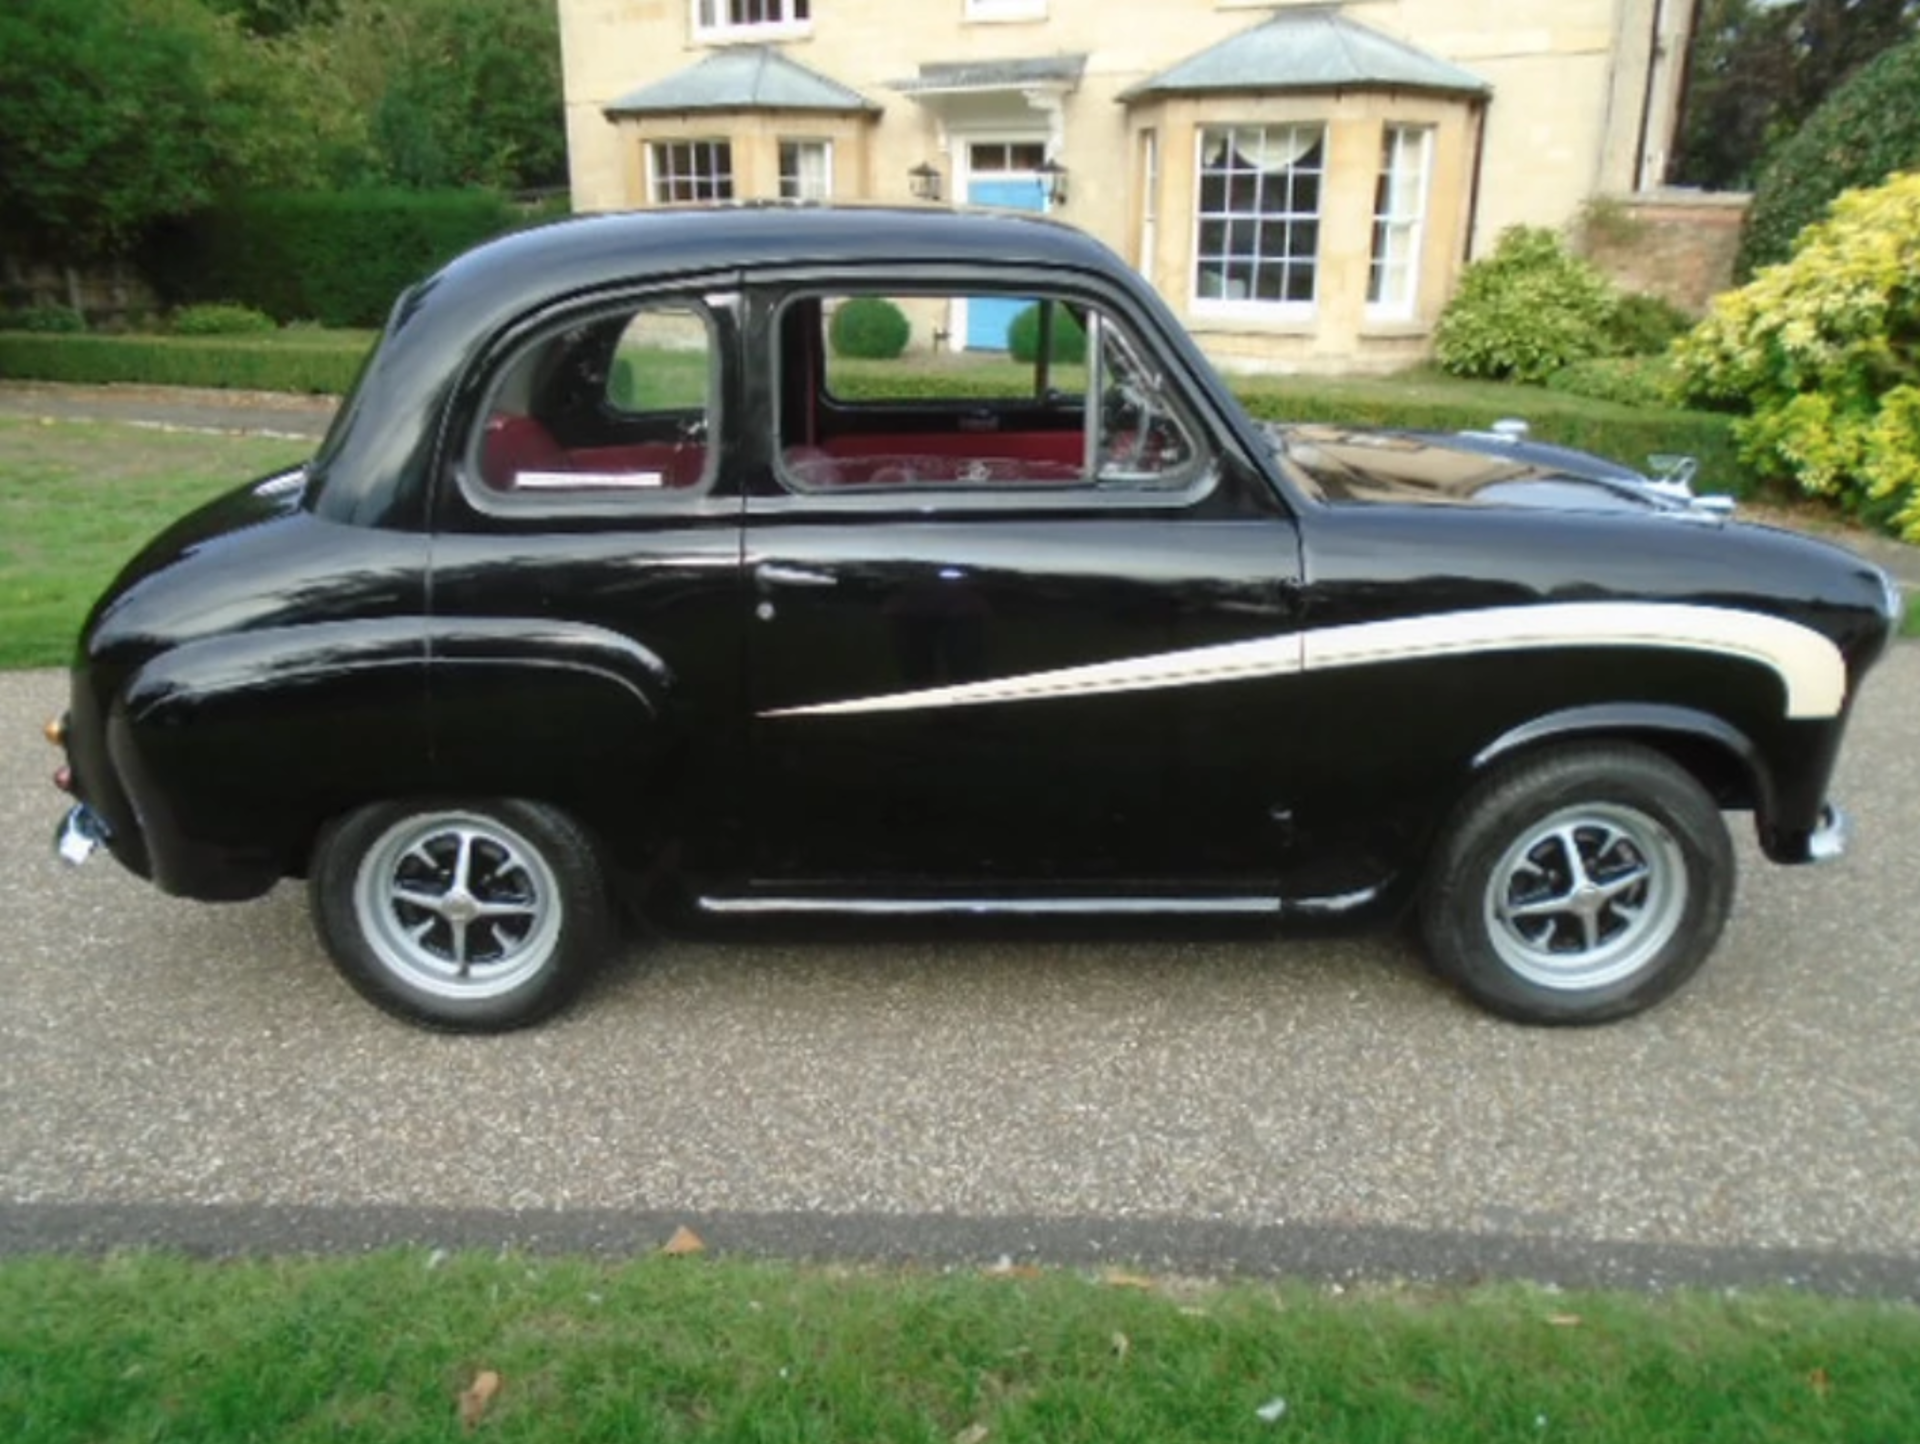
pixel 587 595
pixel 989 633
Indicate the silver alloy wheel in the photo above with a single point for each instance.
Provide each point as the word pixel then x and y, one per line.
pixel 457 904
pixel 1586 896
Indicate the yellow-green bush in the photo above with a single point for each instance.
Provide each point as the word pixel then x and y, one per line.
pixel 1823 351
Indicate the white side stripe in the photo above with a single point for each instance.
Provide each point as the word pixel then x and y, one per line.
pixel 1266 657
pixel 1807 663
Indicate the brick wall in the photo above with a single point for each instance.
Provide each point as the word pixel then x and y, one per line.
pixel 1676 244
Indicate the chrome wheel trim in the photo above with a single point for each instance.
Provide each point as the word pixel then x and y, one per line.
pixel 1586 897
pixel 458 905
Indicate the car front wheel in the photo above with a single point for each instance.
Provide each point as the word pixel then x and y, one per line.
pixel 1579 886
pixel 469 918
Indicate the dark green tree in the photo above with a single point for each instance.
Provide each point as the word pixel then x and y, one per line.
pixel 272 19
pixel 1868 129
pixel 1757 70
pixel 457 92
pixel 113 114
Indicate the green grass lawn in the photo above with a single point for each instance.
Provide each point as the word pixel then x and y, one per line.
pixel 144 1347
pixel 78 498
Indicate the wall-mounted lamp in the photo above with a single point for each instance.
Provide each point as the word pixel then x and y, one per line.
pixel 925 182
pixel 1053 179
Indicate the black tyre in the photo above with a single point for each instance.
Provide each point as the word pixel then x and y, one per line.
pixel 466 917
pixel 1579 885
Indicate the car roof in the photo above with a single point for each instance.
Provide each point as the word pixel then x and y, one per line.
pixel 612 247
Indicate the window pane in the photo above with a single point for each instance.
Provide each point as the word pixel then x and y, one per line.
pixel 616 405
pixel 1399 214
pixel 1258 201
pixel 806 170
pixel 696 170
pixel 746 14
pixel 936 418
pixel 660 363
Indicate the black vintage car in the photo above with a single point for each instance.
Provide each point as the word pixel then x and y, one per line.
pixel 617 586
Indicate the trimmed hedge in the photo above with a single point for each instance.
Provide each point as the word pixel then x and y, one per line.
pixel 218 318
pixel 48 320
pixel 1069 341
pixel 1630 380
pixel 341 258
pixel 222 362
pixel 871 328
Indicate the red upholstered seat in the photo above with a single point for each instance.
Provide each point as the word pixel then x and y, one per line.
pixel 516 444
pixel 1031 458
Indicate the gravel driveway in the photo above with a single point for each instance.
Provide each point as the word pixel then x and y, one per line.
pixel 192 1074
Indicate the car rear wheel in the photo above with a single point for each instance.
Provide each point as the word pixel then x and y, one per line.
pixel 469 918
pixel 1579 886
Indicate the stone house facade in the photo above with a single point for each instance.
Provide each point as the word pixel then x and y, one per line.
pixel 1301 182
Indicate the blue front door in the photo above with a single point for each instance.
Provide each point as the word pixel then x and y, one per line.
pixel 989 316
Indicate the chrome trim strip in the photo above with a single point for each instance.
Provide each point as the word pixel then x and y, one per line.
pixel 995 907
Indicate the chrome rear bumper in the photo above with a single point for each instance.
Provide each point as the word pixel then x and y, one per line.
pixel 80 833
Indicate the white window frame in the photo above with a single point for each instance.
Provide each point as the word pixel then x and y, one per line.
pixel 824 146
pixel 719 28
pixel 1251 308
pixel 1149 200
pixel 992 11
pixel 1413 225
pixel 655 176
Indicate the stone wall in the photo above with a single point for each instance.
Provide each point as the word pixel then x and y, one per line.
pixel 1676 244
pixel 110 295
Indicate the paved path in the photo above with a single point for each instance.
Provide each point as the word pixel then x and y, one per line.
pixel 269 413
pixel 170 1071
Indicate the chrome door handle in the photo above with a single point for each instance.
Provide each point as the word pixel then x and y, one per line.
pixel 772 574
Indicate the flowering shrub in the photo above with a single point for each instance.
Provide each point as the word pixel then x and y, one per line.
pixel 1823 351
pixel 1526 311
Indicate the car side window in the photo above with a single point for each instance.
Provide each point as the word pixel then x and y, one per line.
pixel 615 405
pixel 937 392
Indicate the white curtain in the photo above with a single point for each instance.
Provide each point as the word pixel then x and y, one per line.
pixel 1267 149
pixel 813 170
